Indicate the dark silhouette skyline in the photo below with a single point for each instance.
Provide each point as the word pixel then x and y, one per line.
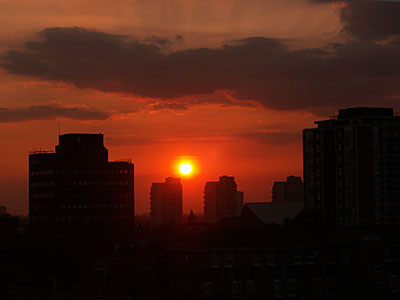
pixel 156 150
pixel 82 240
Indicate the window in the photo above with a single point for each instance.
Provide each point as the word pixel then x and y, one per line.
pixel 270 258
pixel 394 284
pixel 378 268
pixel 330 256
pixel 214 260
pixel 228 259
pixel 236 289
pixel 311 256
pixel 379 284
pixel 387 255
pixel 250 287
pixel 297 257
pixel 317 284
pixel 207 288
pixel 291 288
pixel 331 286
pixel 278 288
pixel 256 259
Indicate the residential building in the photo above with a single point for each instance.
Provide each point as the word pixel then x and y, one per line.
pixel 75 191
pixel 285 263
pixel 352 167
pixel 166 202
pixel 222 199
pixel 291 190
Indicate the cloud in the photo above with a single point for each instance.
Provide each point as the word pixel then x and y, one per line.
pixel 371 20
pixel 255 68
pixel 50 111
pixel 270 137
pixel 273 137
pixel 375 20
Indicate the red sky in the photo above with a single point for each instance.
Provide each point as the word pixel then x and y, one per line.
pixel 157 80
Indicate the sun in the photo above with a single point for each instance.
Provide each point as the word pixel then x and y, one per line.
pixel 185 168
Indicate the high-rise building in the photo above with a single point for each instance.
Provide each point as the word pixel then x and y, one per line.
pixel 222 199
pixel 352 167
pixel 77 191
pixel 166 202
pixel 290 190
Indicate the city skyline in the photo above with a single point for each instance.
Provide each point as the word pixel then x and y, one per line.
pixel 200 149
pixel 219 82
pixel 83 237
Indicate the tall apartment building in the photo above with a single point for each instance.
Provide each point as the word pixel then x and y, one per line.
pixel 352 167
pixel 77 191
pixel 222 199
pixel 166 202
pixel 291 190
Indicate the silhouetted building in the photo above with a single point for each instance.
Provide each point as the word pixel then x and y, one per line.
pixel 283 263
pixel 263 213
pixel 166 202
pixel 222 200
pixel 76 191
pixel 8 225
pixel 352 167
pixel 291 190
pixel 3 210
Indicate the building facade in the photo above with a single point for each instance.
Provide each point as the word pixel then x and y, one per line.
pixel 77 191
pixel 166 202
pixel 285 264
pixel 291 190
pixel 352 167
pixel 222 199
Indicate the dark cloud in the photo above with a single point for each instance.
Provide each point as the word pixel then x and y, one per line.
pixel 50 111
pixel 323 1
pixel 375 20
pixel 157 40
pixel 371 20
pixel 261 69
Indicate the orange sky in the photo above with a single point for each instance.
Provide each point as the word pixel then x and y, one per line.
pixel 250 141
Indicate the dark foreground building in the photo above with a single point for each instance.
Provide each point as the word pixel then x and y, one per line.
pixel 352 167
pixel 285 264
pixel 76 193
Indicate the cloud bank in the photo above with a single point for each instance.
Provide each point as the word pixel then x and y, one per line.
pixel 363 70
pixel 50 111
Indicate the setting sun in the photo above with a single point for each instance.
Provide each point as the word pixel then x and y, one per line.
pixel 185 168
